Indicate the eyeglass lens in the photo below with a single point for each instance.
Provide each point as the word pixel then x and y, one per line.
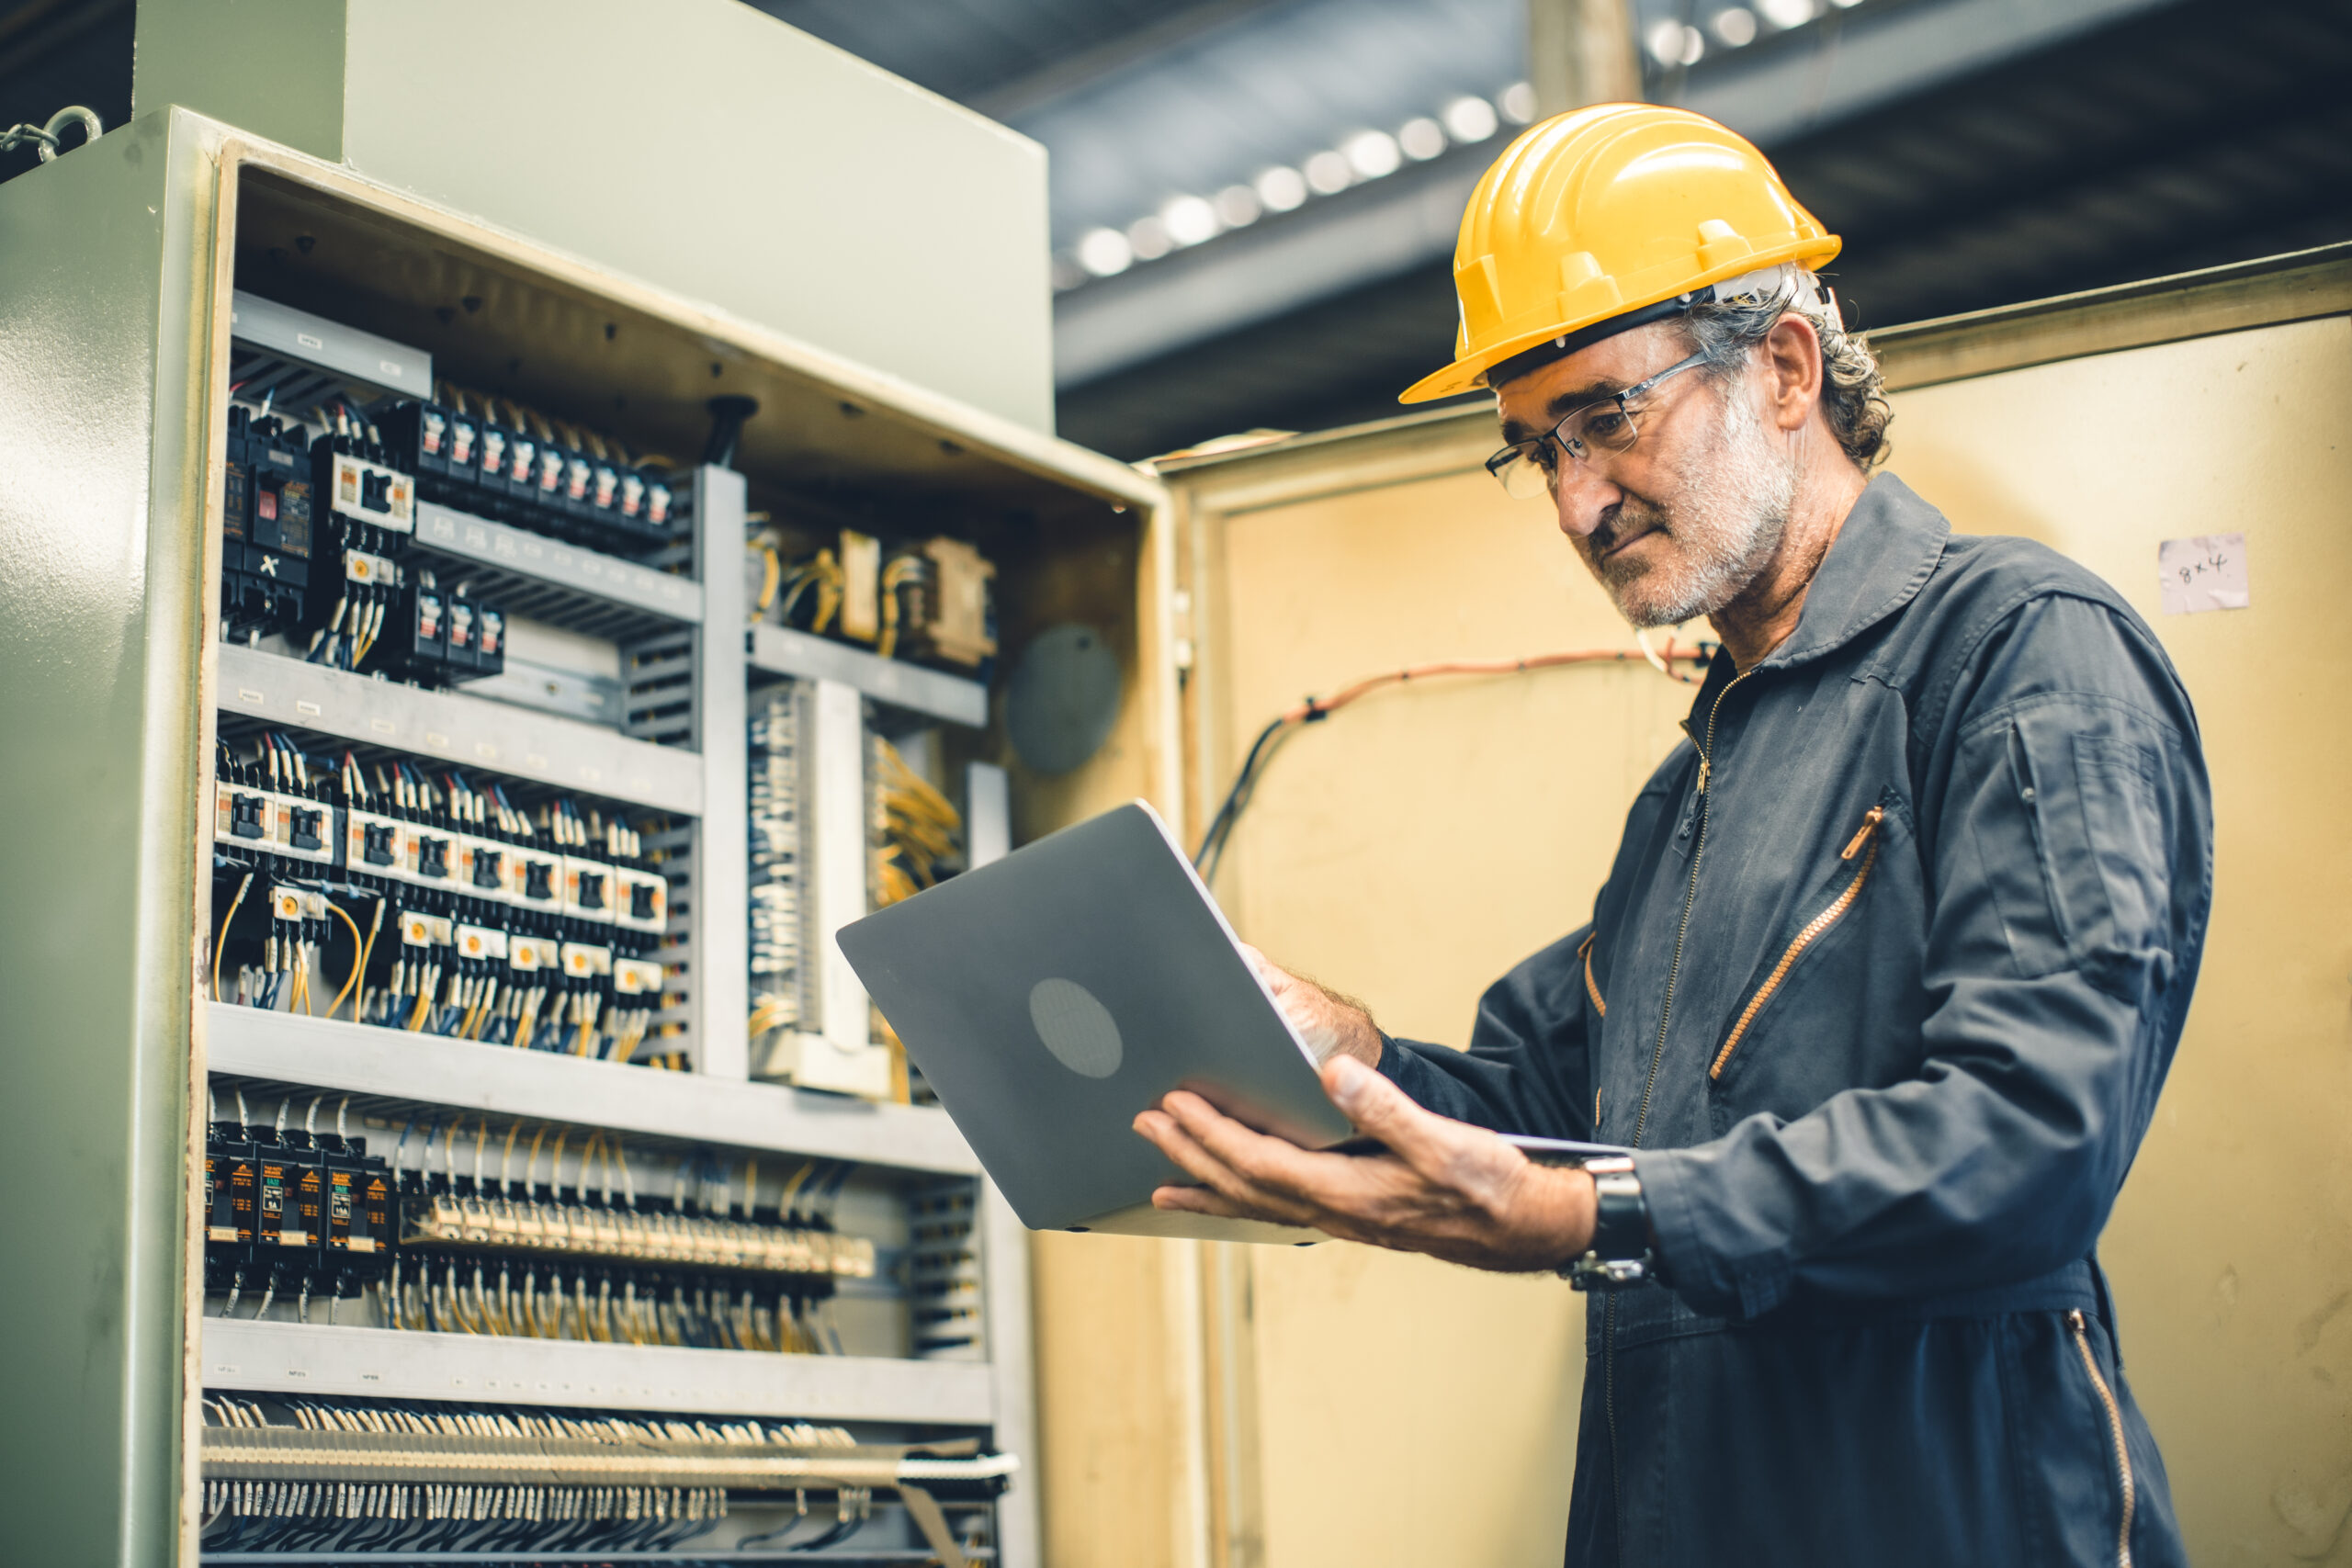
pixel 1526 468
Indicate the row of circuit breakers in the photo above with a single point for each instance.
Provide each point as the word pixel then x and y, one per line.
pixel 296 1215
pixel 315 529
pixel 535 932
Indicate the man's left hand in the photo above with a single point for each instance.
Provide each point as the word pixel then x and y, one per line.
pixel 1444 1187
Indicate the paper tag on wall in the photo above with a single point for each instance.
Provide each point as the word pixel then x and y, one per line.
pixel 2206 573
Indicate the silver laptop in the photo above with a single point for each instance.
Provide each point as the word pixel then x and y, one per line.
pixel 1051 996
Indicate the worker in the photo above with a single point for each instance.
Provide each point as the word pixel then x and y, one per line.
pixel 1888 969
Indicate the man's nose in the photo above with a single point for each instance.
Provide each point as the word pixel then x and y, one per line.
pixel 1581 497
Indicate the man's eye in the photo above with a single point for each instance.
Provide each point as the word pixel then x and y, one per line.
pixel 1606 428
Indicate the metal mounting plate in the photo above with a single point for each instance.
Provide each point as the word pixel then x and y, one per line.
pixel 782 651
pixel 461 730
pixel 387 1363
pixel 358 1058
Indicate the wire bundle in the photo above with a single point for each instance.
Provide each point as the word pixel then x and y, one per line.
pixel 914 826
pixel 821 574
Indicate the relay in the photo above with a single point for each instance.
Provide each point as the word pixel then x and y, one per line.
pixel 294 1212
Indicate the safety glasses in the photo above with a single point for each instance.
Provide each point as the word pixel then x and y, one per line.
pixel 1526 469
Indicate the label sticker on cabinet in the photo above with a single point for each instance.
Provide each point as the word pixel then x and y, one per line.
pixel 2206 572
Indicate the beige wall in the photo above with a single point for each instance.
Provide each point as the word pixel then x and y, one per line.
pixel 1364 1409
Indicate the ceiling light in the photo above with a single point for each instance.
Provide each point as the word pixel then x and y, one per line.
pixel 1735 26
pixel 1104 252
pixel 1189 219
pixel 1328 173
pixel 1281 188
pixel 1149 237
pixel 1372 153
pixel 1671 44
pixel 1786 13
pixel 1469 119
pixel 1237 207
pixel 1518 102
pixel 1421 139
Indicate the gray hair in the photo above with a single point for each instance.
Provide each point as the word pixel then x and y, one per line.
pixel 1853 391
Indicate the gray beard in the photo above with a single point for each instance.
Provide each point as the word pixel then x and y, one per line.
pixel 1729 515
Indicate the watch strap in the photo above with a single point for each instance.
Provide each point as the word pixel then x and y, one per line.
pixel 1619 1257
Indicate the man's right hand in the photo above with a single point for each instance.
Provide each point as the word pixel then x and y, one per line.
pixel 1331 1024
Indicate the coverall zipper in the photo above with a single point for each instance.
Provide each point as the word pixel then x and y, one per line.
pixel 1811 934
pixel 1641 1118
pixel 2115 1424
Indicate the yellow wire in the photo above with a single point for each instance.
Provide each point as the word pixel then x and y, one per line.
pixel 222 941
pixel 771 579
pixel 359 956
pixel 368 952
pixel 493 1320
pixel 792 1188
pixel 458 1304
pixel 507 1155
pixel 893 575
pixel 531 1169
pixel 829 582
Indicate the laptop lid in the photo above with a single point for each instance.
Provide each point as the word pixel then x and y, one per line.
pixel 1051 995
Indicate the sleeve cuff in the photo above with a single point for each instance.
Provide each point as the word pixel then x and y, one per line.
pixel 1701 1275
pixel 1401 1065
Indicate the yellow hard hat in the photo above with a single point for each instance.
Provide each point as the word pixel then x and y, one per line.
pixel 1593 215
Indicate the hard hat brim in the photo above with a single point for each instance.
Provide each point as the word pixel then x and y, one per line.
pixel 1468 373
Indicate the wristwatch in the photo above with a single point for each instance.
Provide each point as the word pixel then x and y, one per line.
pixel 1620 1256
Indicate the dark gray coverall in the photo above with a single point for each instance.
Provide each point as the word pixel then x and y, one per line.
pixel 1883 984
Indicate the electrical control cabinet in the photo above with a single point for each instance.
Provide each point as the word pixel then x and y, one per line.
pixel 502 1150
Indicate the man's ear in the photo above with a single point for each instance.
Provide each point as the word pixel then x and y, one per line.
pixel 1793 351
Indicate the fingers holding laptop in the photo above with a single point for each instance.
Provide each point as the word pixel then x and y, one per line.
pixel 1445 1187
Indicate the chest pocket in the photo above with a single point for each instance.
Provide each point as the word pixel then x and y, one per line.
pixel 1831 905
